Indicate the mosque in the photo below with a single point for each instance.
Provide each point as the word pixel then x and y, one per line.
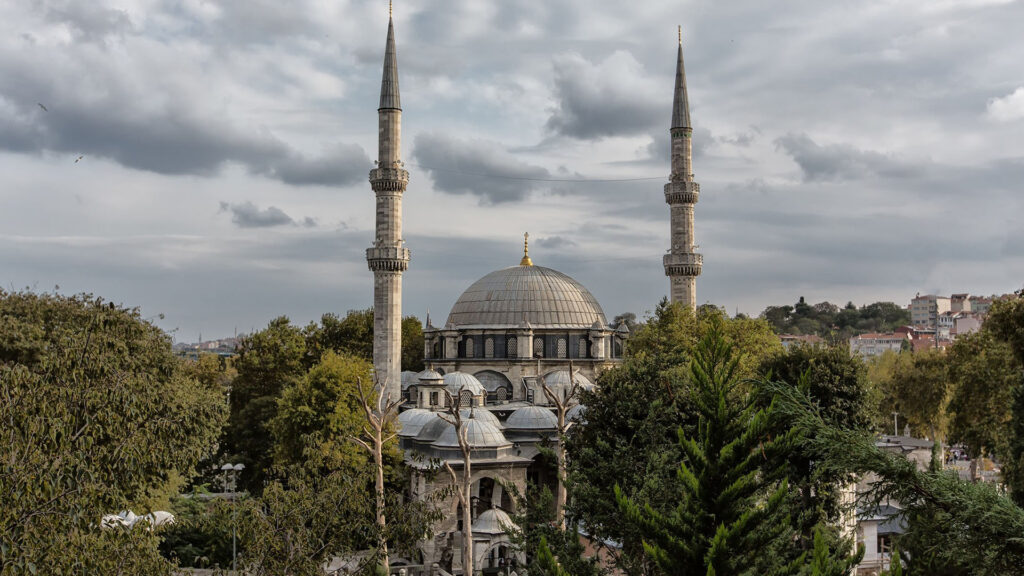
pixel 512 333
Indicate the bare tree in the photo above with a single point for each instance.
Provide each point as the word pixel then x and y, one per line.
pixel 381 413
pixel 454 417
pixel 561 407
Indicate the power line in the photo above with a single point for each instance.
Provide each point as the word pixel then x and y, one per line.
pixel 502 177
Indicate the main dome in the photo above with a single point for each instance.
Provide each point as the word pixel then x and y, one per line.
pixel 543 297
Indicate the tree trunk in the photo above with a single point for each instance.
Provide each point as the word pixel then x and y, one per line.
pixel 561 493
pixel 382 539
pixel 467 515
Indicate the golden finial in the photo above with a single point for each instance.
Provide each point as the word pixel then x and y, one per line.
pixel 680 34
pixel 391 8
pixel 526 251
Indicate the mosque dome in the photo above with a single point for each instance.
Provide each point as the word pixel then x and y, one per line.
pixel 458 381
pixel 412 421
pixel 577 413
pixel 433 429
pixel 535 295
pixel 409 378
pixel 532 418
pixel 429 376
pixel 479 434
pixel 559 381
pixel 493 521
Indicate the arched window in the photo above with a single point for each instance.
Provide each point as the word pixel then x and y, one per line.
pixel 437 349
pixel 561 348
pixel 501 395
pixel 512 348
pixel 465 398
pixel 410 394
pixel 469 348
pixel 538 347
pixel 489 348
pixel 583 348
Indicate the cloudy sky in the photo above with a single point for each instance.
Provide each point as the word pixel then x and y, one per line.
pixel 208 159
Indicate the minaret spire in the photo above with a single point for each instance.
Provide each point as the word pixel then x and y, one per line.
pixel 388 258
pixel 682 264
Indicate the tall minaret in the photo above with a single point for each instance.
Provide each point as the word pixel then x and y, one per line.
pixel 682 263
pixel 388 258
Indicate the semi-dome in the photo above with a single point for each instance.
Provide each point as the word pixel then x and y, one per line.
pixel 541 297
pixel 412 421
pixel 493 521
pixel 458 381
pixel 479 434
pixel 532 418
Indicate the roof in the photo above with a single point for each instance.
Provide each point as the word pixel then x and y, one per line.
pixel 479 434
pixel 389 98
pixel 532 418
pixel 493 521
pixel 456 382
pixel 540 296
pixel 681 102
pixel 412 421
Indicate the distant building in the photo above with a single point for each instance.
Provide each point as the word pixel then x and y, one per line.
pixel 870 345
pixel 966 324
pixel 960 302
pixel 925 309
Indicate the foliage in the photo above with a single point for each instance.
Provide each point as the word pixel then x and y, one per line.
pixel 922 391
pixel 829 321
pixel 353 335
pixel 1005 322
pixel 730 513
pixel 824 561
pixel 88 389
pixel 538 533
pixel 836 381
pixel 958 523
pixel 198 538
pixel 983 373
pixel 629 436
pixel 881 400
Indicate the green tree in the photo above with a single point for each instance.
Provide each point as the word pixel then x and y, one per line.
pixel 837 383
pixel 353 335
pixel 89 389
pixel 1005 322
pixel 922 391
pixel 730 513
pixel 984 373
pixel 629 435
pixel 268 361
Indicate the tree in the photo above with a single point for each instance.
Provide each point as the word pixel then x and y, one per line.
pixel 353 335
pixel 836 381
pixel 268 361
pixel 629 435
pixel 462 483
pixel 1005 322
pixel 88 389
pixel 922 391
pixel 562 405
pixel 730 516
pixel 958 524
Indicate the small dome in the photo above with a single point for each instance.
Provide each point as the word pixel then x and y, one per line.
pixel 458 381
pixel 577 414
pixel 479 434
pixel 493 521
pixel 412 421
pixel 597 325
pixel 429 376
pixel 481 414
pixel 433 429
pixel 622 329
pixel 409 378
pixel 559 383
pixel 532 418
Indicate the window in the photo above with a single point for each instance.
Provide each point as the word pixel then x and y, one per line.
pixel 411 394
pixel 469 348
pixel 437 349
pixel 583 348
pixel 561 348
pixel 465 398
pixel 501 395
pixel 433 398
pixel 489 348
pixel 512 348
pixel 538 347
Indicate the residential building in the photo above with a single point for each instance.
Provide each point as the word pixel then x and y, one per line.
pixel 925 309
pixel 869 345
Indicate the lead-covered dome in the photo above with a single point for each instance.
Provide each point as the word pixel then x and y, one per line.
pixel 543 297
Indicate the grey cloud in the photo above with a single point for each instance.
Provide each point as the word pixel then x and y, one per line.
pixel 556 242
pixel 839 162
pixel 249 215
pixel 611 98
pixel 86 20
pixel 341 165
pixel 477 168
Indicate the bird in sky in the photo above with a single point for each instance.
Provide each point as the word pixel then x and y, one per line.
pixel 41 106
pixel 79 158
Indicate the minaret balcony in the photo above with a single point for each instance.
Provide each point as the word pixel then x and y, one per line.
pixel 389 179
pixel 683 264
pixel 682 192
pixel 387 259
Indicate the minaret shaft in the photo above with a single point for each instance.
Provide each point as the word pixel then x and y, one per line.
pixel 388 258
pixel 683 263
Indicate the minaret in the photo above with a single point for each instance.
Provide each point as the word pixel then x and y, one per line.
pixel 388 258
pixel 682 263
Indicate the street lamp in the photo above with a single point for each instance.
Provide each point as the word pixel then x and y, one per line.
pixel 231 478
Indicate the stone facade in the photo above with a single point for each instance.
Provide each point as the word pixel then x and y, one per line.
pixel 683 263
pixel 388 258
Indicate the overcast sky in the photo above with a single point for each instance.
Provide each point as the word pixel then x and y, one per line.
pixel 208 159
